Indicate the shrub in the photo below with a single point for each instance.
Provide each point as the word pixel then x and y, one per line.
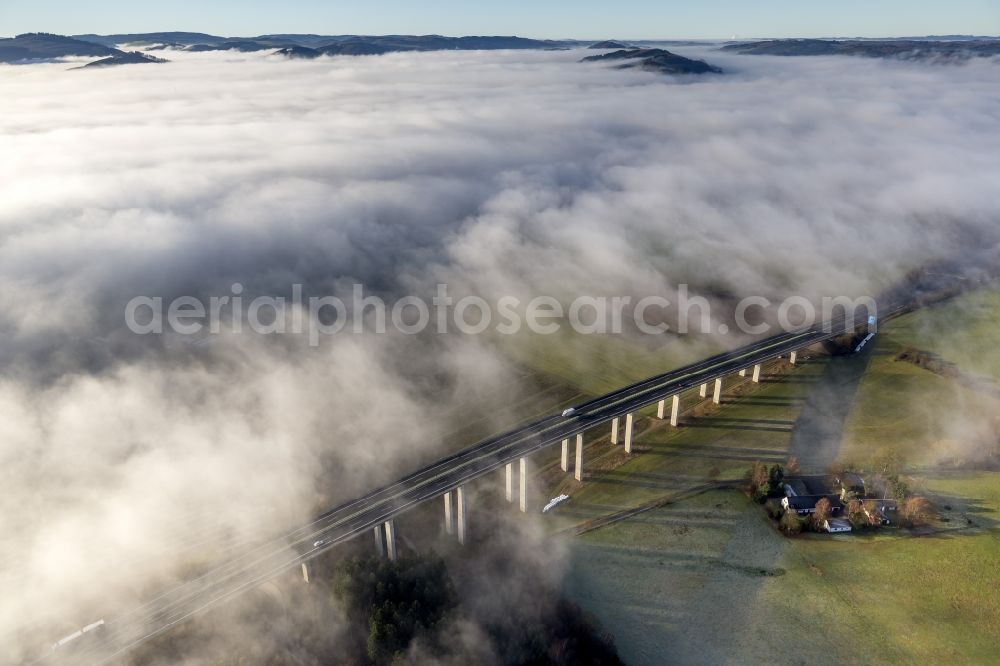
pixel 757 475
pixel 916 511
pixel 774 509
pixel 791 524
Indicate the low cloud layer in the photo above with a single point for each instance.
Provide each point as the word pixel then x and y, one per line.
pixel 503 173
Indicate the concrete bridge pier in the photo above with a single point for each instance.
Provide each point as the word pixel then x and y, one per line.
pixel 743 372
pixel 510 482
pixel 756 374
pixel 379 541
pixel 660 407
pixel 793 357
pixel 449 525
pixel 703 390
pixel 614 430
pixel 390 539
pixel 628 432
pixel 523 479
pixel 675 409
pixel 717 395
pixel 564 461
pixel 578 468
pixel 305 572
pixel 460 511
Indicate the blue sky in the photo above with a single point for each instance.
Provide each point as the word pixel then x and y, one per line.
pixel 584 19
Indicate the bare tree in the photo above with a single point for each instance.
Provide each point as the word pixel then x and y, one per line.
pixel 856 513
pixel 821 514
pixel 916 511
pixel 872 513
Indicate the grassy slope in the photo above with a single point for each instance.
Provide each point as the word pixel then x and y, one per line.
pixel 679 583
pixel 930 599
pixel 963 331
pixel 923 416
pixel 597 364
pixel 707 580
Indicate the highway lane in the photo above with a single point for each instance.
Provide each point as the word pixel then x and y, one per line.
pixel 361 515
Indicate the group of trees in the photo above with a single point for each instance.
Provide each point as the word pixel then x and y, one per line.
pixel 913 511
pixel 887 468
pixel 402 611
pixel 394 601
pixel 764 482
pixel 862 513
pixel 791 523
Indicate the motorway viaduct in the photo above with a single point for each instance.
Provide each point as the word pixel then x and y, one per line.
pixel 446 481
pixel 516 472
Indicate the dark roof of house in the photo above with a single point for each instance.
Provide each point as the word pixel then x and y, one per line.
pixel 805 502
pixel 796 486
pixel 851 480
pixel 811 484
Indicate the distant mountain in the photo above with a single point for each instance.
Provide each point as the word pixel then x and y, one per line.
pixel 787 47
pixel 243 45
pixel 894 48
pixel 309 41
pixel 181 38
pixel 359 44
pixel 298 52
pixel 197 48
pixel 922 38
pixel 439 43
pixel 610 44
pixel 128 58
pixel 43 46
pixel 656 60
pixel 357 48
pixel 46 46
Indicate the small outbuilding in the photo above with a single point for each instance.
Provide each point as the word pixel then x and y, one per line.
pixel 836 525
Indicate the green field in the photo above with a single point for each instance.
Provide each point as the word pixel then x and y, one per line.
pixel 598 364
pixel 927 418
pixel 963 330
pixel 707 579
